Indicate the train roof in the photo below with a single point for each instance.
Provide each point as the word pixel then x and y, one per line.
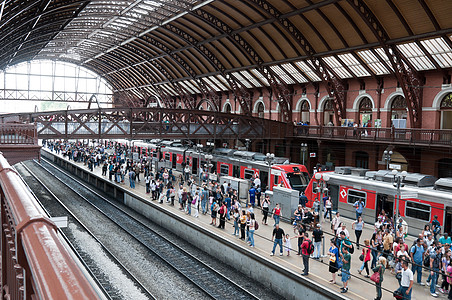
pixel 381 180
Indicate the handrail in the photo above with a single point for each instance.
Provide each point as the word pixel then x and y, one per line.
pixel 18 134
pixel 35 262
pixel 412 136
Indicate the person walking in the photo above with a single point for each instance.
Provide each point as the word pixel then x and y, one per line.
pixel 305 252
pixel 358 226
pixel 252 229
pixel 346 262
pixel 242 225
pixel 406 283
pixel 276 214
pixel 435 263
pixel 417 257
pixel 317 235
pixel 359 207
pixel 328 207
pixel 195 203
pixel 333 253
pixel 366 258
pixel 222 212
pixel 265 205
pixel 336 222
pixel 380 268
pixel 277 239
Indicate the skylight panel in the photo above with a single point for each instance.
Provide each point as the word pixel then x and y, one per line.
pixel 282 74
pixel 373 62
pixel 354 65
pixel 294 72
pixel 171 89
pixel 186 87
pixel 336 66
pixel 219 83
pixel 440 51
pixel 242 80
pixel 261 77
pixel 416 56
pixel 308 71
pixel 251 78
pixel 194 85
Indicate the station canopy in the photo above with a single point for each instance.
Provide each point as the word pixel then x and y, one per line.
pixel 159 46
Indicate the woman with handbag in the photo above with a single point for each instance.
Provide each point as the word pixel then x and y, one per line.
pixel 333 252
pixel 365 258
pixel 377 276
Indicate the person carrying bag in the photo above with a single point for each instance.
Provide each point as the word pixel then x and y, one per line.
pixel 377 276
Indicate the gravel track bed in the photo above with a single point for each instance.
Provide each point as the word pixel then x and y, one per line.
pixel 162 281
pixel 233 274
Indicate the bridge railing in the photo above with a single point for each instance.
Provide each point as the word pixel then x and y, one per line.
pixel 439 137
pixel 18 134
pixel 34 262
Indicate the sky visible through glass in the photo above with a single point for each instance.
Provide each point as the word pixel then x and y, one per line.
pixel 50 85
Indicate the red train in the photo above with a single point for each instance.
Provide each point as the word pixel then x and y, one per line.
pixel 422 196
pixel 225 162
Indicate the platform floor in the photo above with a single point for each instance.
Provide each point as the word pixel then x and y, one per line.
pixel 359 286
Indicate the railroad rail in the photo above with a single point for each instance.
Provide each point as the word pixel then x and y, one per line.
pixel 212 282
pixel 35 262
pixel 98 275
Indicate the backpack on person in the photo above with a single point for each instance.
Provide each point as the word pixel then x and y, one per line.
pixel 256 225
pixel 427 261
pixel 221 211
pixel 310 247
pixel 352 249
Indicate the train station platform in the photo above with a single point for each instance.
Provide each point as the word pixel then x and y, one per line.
pixel 359 286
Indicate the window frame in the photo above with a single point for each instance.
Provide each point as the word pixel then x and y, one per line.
pixel 359 191
pixel 249 171
pixel 417 209
pixel 222 167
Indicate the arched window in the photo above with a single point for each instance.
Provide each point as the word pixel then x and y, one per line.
pixel 227 108
pixel 398 108
pixel 365 110
pixel 304 112
pixel 260 110
pixel 446 112
pixel 328 112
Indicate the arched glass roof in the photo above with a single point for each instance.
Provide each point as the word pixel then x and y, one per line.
pixel 50 85
pixel 167 48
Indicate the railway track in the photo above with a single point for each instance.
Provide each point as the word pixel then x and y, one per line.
pixel 209 280
pixel 48 198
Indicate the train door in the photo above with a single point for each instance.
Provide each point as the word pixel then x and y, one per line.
pixel 236 171
pixel 174 161
pixel 448 220
pixel 386 203
pixel 194 166
pixel 334 194
pixel 264 178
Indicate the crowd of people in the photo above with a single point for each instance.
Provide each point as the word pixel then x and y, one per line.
pixel 385 253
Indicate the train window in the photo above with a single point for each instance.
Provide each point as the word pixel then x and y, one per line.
pixel 417 210
pixel 248 174
pixel 224 169
pixel 167 156
pixel 314 187
pixel 353 196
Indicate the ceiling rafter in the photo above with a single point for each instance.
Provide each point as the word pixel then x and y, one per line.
pixel 411 82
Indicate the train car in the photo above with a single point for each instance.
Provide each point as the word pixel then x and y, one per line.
pixel 421 197
pixel 226 162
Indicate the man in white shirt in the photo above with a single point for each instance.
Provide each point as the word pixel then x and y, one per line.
pixel 257 181
pixel 344 229
pixel 406 283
